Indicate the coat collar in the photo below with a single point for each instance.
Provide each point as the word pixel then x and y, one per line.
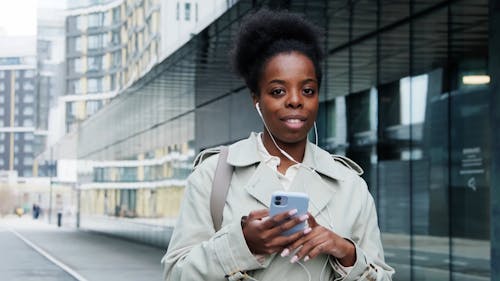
pixel 245 153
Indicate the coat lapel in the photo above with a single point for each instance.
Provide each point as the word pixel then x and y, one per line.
pixel 320 194
pixel 263 183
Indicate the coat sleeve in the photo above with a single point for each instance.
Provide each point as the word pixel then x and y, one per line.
pixel 370 264
pixel 196 251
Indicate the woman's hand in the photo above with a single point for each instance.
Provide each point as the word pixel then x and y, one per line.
pixel 263 233
pixel 321 240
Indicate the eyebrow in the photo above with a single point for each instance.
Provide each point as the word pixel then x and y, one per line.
pixel 284 82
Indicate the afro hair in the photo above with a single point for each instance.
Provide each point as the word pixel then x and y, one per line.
pixel 264 34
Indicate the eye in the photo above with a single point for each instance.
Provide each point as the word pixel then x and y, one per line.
pixel 309 91
pixel 277 92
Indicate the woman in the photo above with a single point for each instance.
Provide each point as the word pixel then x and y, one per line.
pixel 278 55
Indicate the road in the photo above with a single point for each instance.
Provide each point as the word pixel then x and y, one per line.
pixel 34 250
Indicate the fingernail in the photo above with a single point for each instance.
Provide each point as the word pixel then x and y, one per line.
pixel 285 252
pixel 294 259
pixel 307 230
pixel 306 258
pixel 304 217
pixel 292 212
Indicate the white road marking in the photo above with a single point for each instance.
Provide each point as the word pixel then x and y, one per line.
pixel 49 257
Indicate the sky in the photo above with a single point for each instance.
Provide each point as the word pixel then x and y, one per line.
pixel 18 17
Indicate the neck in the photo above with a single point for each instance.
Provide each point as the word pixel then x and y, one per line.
pixel 296 150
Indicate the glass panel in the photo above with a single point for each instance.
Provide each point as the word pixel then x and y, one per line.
pixel 428 120
pixel 393 10
pixel 393 171
pixel 471 148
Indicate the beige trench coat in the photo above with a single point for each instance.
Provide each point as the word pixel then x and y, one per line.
pixel 339 200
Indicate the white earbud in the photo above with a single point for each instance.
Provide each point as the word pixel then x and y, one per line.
pixel 258 109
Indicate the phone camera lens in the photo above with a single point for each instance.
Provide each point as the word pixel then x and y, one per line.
pixel 278 203
pixel 278 198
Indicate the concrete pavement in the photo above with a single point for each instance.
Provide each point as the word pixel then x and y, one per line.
pixel 35 250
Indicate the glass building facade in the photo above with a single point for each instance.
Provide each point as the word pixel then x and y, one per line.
pixel 410 92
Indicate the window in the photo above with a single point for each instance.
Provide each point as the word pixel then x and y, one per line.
pixel 28 86
pixel 28 160
pixel 27 172
pixel 28 98
pixel 93 107
pixel 29 137
pixel 187 11
pixel 94 63
pixel 2 149
pixel 76 65
pixel 117 59
pixel 93 42
pixel 28 148
pixel 19 73
pixel 112 81
pixel 2 99
pixel 17 86
pixel 79 22
pixel 75 87
pixel 2 112
pixel 94 85
pixel 116 15
pixel 115 37
pixel 75 44
pixel 2 74
pixel 28 122
pixel 2 86
pixel 29 73
pixel 28 110
pixel 95 20
pixel 177 11
pixel 2 136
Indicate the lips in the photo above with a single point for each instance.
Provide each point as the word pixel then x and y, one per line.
pixel 294 121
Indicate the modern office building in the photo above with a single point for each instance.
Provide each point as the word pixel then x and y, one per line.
pixel 410 92
pixel 17 104
pixel 50 76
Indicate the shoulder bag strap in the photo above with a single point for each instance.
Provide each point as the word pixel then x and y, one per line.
pixel 220 187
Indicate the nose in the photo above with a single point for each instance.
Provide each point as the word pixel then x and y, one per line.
pixel 295 99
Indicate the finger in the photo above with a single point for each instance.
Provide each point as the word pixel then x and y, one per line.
pixel 289 224
pixel 306 248
pixel 258 214
pixel 311 221
pixel 317 250
pixel 279 218
pixel 307 235
pixel 288 240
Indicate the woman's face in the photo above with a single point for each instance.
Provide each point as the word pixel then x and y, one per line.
pixel 288 96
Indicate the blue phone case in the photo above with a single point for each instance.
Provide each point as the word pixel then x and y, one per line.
pixel 282 201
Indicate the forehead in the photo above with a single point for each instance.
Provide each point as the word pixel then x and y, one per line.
pixel 285 66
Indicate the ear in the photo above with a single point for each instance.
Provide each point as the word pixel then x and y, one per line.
pixel 255 98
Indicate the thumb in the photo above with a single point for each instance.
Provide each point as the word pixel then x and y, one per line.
pixel 258 214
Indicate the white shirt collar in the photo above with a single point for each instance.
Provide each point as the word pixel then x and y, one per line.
pixel 274 161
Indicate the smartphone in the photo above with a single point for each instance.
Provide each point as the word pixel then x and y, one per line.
pixel 282 201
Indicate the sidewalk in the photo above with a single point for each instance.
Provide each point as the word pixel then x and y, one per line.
pixel 89 255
